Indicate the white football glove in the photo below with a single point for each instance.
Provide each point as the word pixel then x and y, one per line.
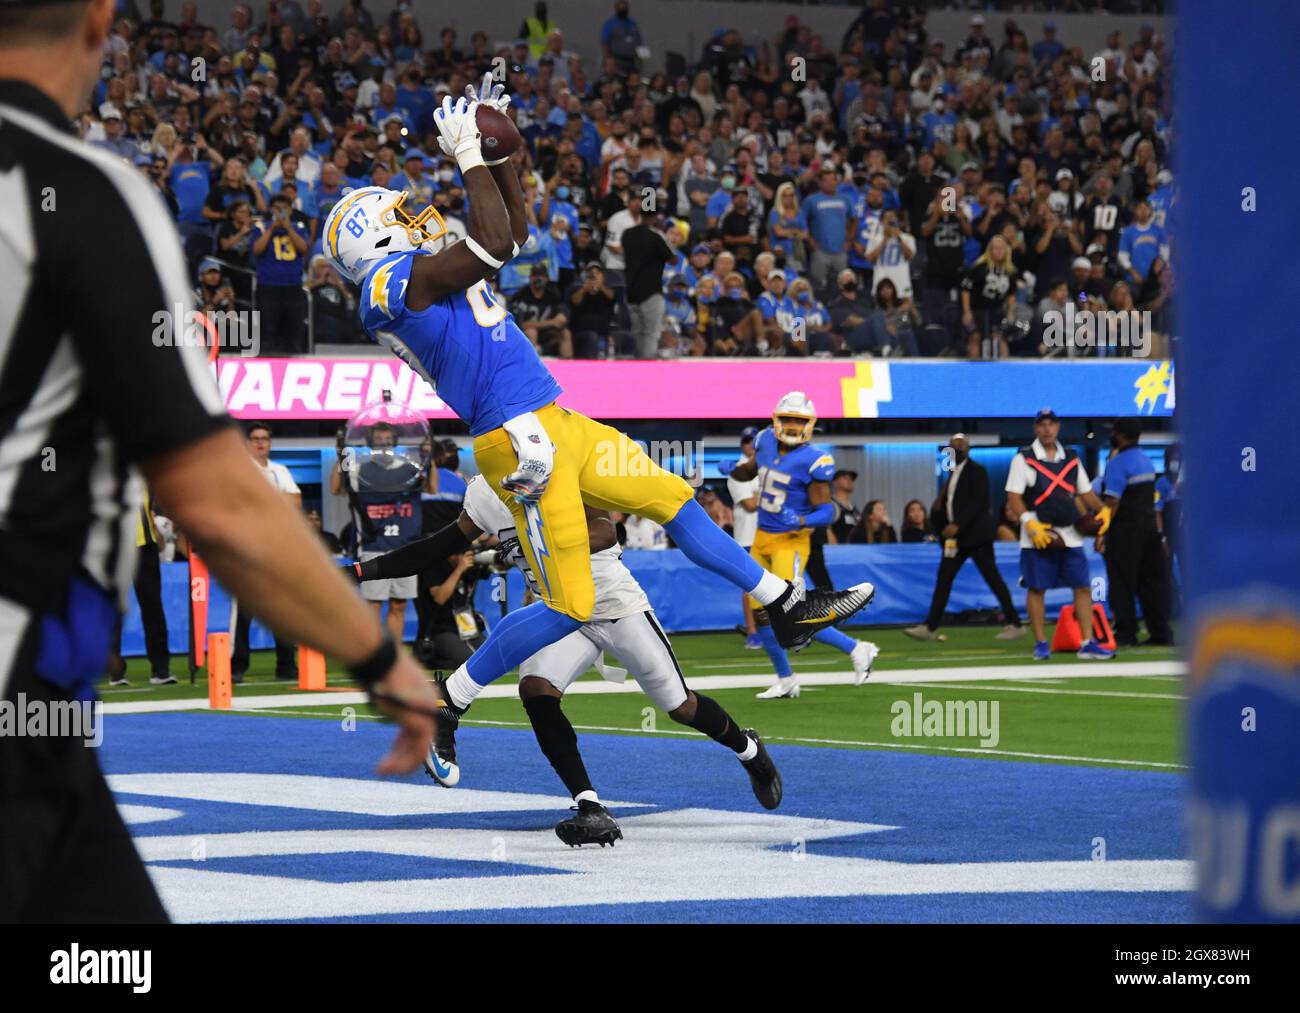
pixel 458 133
pixel 490 93
pixel 536 456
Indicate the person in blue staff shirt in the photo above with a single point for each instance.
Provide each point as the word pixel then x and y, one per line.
pixel 1137 568
pixel 1042 485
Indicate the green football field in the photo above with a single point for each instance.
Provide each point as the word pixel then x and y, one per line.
pixel 1113 714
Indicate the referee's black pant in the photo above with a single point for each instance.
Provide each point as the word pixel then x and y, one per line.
pixel 65 854
pixel 986 563
pixel 1138 572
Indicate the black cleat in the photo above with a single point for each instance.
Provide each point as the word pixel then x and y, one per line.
pixel 797 615
pixel 441 762
pixel 763 775
pixel 591 824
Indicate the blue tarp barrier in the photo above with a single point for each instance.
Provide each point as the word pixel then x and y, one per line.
pixel 686 597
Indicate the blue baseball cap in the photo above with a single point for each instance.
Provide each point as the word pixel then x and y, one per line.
pixel 209 264
pixel 1046 415
pixel 747 434
pixel 701 248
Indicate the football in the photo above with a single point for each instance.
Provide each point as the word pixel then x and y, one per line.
pixel 500 137
pixel 1088 524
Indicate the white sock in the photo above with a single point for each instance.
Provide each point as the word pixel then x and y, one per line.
pixel 587 796
pixel 461 688
pixel 769 588
pixel 750 751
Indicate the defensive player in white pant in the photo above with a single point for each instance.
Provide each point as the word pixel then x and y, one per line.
pixel 622 624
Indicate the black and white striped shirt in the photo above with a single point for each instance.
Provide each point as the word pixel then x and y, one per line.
pixel 92 379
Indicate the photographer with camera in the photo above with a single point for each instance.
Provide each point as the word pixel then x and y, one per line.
pixel 450 631
pixel 280 251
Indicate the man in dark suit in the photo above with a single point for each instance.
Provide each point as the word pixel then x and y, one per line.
pixel 961 516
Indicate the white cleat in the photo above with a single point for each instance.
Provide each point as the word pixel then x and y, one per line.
pixel 863 657
pixel 782 688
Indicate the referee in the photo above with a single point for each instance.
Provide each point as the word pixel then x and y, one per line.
pixel 94 392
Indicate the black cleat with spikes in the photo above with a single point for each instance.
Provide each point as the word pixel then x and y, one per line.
pixel 797 615
pixel 590 824
pixel 441 763
pixel 763 775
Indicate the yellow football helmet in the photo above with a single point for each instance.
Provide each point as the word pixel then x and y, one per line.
pixel 794 418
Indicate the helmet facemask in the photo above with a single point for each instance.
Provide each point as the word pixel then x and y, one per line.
pixel 793 430
pixel 417 234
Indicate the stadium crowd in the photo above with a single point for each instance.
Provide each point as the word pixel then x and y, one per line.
pixel 879 194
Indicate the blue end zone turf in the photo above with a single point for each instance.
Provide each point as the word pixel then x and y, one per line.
pixel 944 821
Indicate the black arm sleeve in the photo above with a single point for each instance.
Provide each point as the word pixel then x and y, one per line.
pixel 415 557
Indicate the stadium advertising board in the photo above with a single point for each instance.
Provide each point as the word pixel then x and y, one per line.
pixel 337 388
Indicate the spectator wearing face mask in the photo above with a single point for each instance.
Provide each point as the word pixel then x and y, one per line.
pixel 736 322
pixel 810 324
pixel 720 203
pixel 681 319
pixel 776 308
pixel 538 309
pixel 850 315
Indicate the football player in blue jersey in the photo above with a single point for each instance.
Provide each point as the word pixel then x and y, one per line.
pixel 435 312
pixel 794 496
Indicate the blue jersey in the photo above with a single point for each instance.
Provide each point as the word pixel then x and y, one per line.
pixel 783 479
pixel 466 346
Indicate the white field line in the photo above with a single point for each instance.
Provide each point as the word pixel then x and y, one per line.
pixel 1061 692
pixel 935 748
pixel 751 680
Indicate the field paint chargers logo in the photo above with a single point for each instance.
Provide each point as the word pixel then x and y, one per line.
pixel 682 855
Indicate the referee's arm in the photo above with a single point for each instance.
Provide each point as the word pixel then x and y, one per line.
pixel 163 409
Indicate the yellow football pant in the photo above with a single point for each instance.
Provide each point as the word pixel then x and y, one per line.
pixel 783 553
pixel 594 464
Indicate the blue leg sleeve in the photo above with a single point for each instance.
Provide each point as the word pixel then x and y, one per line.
pixel 780 660
pixel 517 637
pixel 707 545
pixel 834 638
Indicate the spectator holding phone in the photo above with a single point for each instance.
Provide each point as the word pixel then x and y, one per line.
pixel 280 250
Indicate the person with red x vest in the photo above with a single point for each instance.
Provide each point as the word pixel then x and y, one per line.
pixel 1045 482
